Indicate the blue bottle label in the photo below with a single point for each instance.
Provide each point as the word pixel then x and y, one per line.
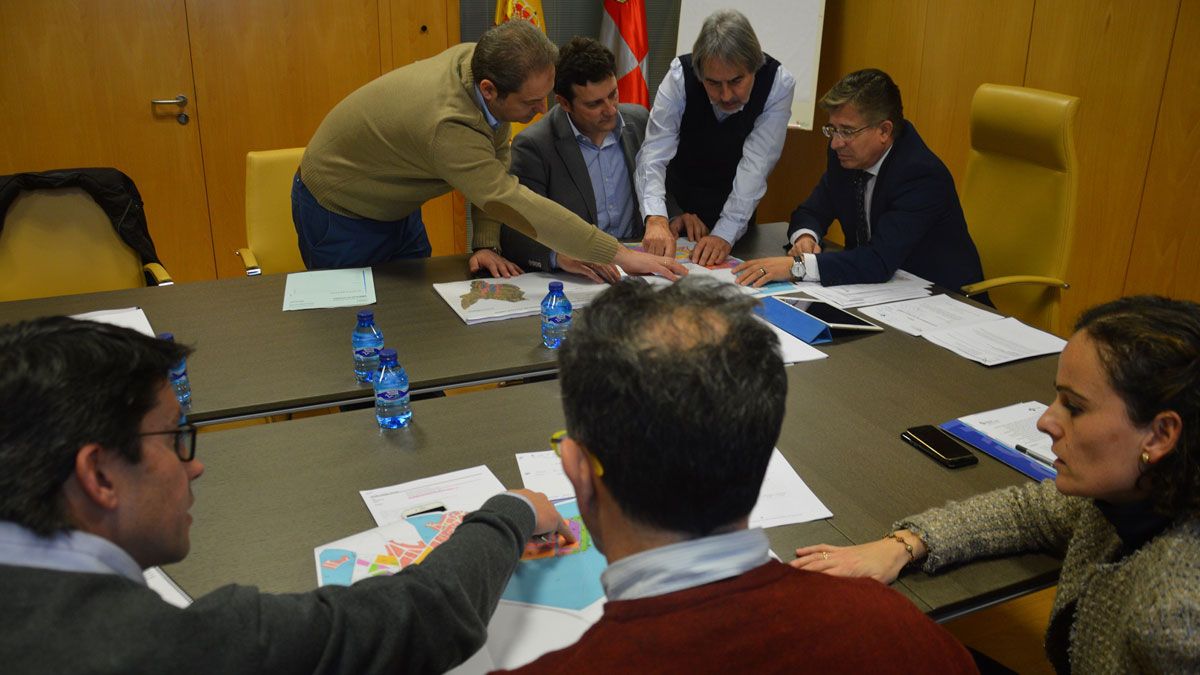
pixel 391 395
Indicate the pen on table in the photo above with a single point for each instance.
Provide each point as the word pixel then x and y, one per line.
pixel 1037 458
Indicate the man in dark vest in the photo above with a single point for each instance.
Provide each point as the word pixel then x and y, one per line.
pixel 715 132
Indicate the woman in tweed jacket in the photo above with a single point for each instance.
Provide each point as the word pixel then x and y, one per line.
pixel 1123 510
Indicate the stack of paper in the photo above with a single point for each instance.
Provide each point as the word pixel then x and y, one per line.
pixel 968 331
pixel 902 286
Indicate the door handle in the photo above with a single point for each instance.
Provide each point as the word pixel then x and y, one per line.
pixel 179 100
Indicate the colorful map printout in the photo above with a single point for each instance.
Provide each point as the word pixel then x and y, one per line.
pixel 379 551
pixel 554 575
pixel 480 300
pixel 722 271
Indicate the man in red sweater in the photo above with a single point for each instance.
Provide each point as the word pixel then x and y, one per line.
pixel 674 399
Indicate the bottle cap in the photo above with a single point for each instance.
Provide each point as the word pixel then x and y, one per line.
pixel 169 337
pixel 555 286
pixel 366 315
pixel 387 356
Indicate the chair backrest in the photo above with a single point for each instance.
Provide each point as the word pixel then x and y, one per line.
pixel 270 234
pixel 60 242
pixel 1019 193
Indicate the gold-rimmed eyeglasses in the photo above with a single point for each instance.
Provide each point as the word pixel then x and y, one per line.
pixel 556 440
pixel 845 134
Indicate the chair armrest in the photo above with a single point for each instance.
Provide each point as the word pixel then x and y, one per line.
pixel 158 273
pixel 249 261
pixel 989 284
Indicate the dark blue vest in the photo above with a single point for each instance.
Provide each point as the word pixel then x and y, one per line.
pixel 700 176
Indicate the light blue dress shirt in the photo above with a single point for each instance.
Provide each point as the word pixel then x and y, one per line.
pixel 610 182
pixel 687 564
pixel 760 151
pixel 487 114
pixel 70 551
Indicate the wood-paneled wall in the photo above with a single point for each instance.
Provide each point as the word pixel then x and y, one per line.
pixel 1134 65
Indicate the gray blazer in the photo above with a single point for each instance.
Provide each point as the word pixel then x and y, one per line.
pixel 546 159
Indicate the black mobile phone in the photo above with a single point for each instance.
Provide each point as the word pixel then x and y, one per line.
pixel 939 445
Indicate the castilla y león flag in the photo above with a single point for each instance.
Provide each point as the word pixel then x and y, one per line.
pixel 623 30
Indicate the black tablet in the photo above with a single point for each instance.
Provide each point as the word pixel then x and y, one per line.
pixel 835 318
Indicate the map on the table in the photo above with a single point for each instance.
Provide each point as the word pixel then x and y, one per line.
pixel 479 300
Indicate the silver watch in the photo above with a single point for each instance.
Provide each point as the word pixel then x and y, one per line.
pixel 797 268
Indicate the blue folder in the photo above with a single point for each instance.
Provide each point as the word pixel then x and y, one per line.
pixel 1010 456
pixel 800 324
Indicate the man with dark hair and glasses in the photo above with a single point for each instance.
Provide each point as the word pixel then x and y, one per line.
pixel 674 398
pixel 894 198
pixel 95 486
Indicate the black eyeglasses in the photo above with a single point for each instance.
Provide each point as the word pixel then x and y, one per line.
pixel 185 440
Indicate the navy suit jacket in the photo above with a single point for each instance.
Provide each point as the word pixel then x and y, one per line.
pixel 546 159
pixel 917 223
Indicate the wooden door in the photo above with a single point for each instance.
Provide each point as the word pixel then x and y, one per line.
pixel 75 90
pixel 268 71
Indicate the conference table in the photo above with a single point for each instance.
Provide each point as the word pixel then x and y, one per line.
pixel 253 359
pixel 273 492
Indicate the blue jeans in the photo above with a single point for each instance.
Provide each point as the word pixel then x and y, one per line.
pixel 329 240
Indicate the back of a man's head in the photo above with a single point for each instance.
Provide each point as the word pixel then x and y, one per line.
pixel 509 53
pixel 679 392
pixel 63 384
pixel 580 62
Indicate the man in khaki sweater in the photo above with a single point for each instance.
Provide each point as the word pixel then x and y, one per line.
pixel 425 129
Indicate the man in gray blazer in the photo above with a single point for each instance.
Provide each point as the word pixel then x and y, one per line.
pixel 581 155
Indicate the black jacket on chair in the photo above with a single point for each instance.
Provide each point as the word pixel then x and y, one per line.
pixel 113 191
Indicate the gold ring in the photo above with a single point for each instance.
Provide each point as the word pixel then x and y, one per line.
pixel 824 555
pixel 762 271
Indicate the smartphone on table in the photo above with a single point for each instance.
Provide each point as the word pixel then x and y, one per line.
pixel 939 445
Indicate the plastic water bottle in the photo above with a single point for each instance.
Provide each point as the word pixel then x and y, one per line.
pixel 367 340
pixel 178 376
pixel 391 392
pixel 556 316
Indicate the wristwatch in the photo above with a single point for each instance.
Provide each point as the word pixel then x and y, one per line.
pixel 798 268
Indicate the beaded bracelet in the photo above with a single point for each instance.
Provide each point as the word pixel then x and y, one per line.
pixel 907 546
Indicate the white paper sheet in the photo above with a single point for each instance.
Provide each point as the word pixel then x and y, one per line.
pixel 329 288
pixel 1015 425
pixel 996 342
pixel 861 295
pixel 784 498
pixel 916 317
pixel 542 471
pixel 479 300
pixel 129 317
pixel 165 586
pixel 463 490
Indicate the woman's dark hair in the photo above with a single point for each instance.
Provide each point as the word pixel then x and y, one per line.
pixel 1150 349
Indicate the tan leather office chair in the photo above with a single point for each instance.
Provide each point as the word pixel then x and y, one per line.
pixel 1019 197
pixel 59 242
pixel 270 234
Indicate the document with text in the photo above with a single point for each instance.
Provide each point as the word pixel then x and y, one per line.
pixel 329 288
pixel 995 342
pixel 463 490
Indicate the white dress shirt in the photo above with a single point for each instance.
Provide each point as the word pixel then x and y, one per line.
pixel 811 271
pixel 687 564
pixel 760 151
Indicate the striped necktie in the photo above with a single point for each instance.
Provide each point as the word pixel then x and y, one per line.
pixel 862 230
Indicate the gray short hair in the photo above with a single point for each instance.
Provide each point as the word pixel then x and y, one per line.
pixel 871 91
pixel 509 53
pixel 727 35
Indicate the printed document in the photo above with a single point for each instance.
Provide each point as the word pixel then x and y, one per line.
pixel 129 317
pixel 1015 425
pixel 463 490
pixel 922 315
pixel 329 288
pixel 902 286
pixel 996 342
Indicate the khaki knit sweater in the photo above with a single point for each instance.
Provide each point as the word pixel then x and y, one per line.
pixel 417 133
pixel 1137 613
